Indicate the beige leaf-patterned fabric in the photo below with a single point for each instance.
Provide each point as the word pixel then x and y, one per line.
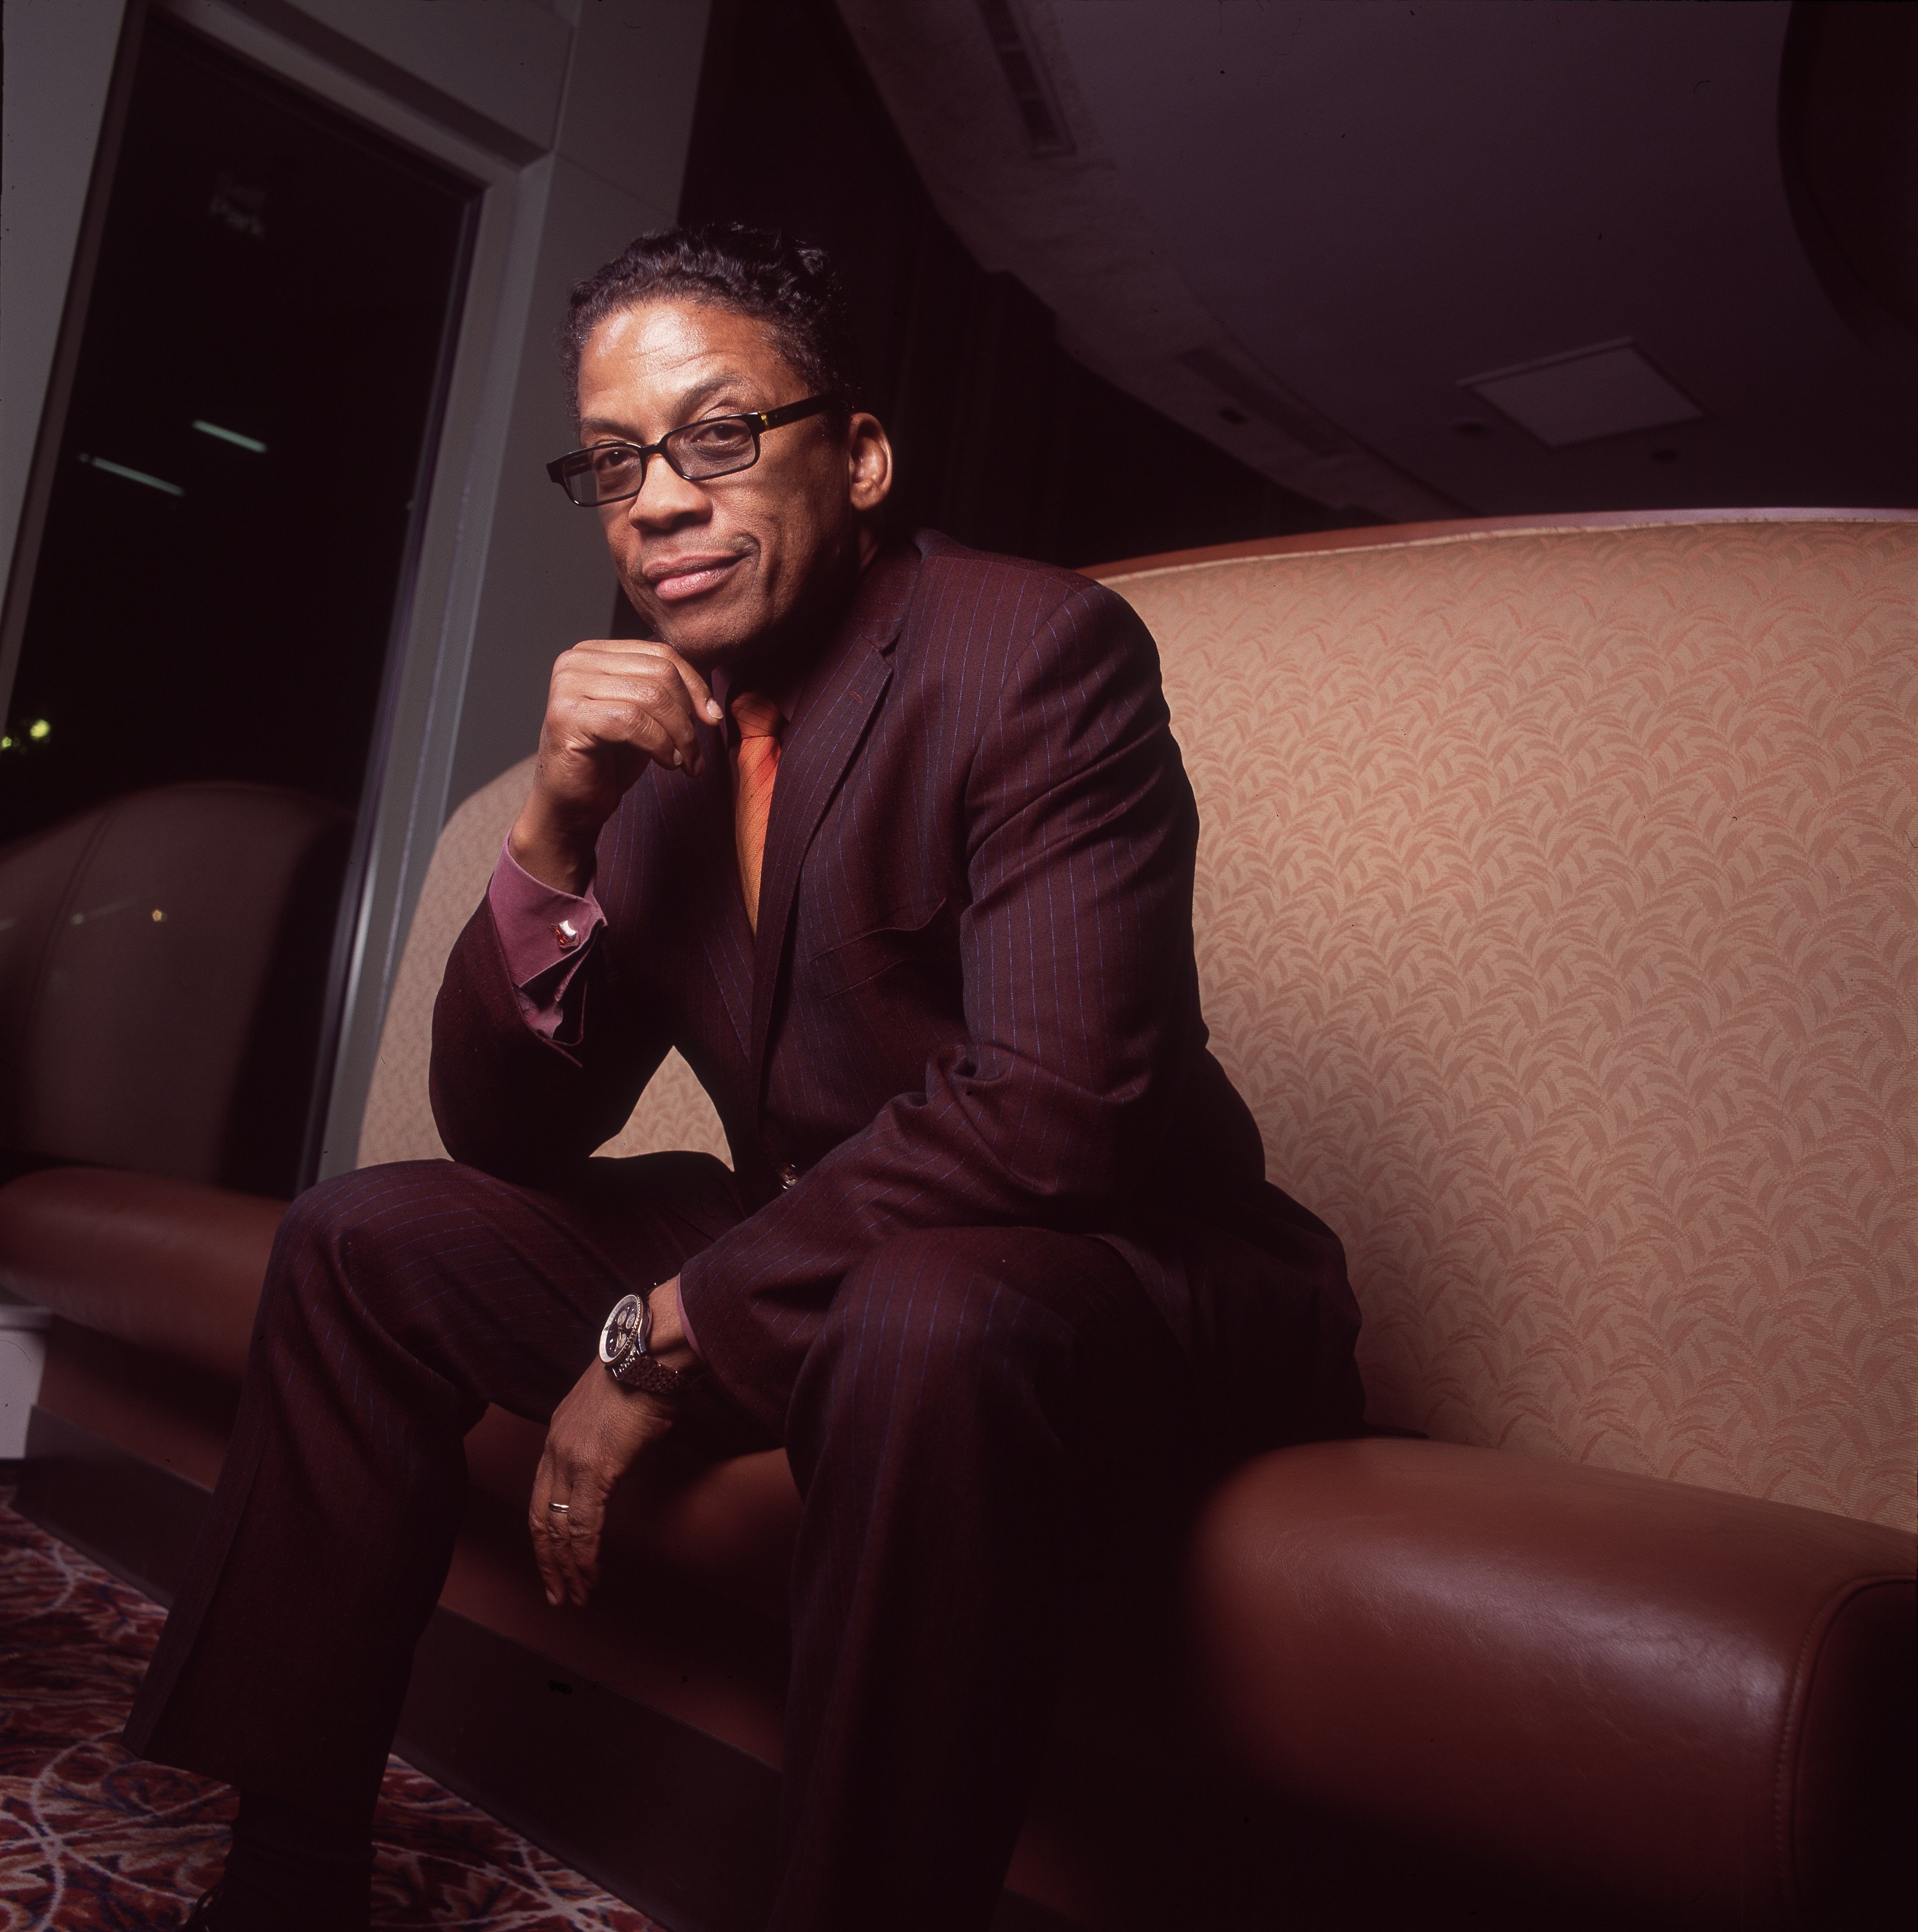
pixel 1556 915
pixel 673 1112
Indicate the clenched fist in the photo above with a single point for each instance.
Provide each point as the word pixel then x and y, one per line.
pixel 614 704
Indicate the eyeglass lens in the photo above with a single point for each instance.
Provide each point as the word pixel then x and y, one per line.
pixel 696 451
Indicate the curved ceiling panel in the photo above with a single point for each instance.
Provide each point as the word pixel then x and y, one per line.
pixel 1502 257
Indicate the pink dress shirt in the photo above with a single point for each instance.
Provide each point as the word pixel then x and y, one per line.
pixel 546 935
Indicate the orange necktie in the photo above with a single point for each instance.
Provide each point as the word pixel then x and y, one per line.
pixel 755 765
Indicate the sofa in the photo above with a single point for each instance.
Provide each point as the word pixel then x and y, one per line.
pixel 1555 915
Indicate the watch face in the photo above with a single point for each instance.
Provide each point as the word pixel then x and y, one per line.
pixel 622 1329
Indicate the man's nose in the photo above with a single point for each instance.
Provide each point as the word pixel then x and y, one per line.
pixel 665 497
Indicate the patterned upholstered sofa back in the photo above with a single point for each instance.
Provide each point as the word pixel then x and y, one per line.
pixel 1556 913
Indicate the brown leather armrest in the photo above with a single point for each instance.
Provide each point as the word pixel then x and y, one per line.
pixel 169 1265
pixel 1670 1695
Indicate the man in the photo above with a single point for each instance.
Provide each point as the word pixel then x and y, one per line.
pixel 892 841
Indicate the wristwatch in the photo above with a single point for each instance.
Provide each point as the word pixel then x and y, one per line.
pixel 623 1343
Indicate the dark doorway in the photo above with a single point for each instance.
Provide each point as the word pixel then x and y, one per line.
pixel 239 483
pixel 239 470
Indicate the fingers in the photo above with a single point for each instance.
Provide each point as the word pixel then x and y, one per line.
pixel 643 705
pixel 576 1549
pixel 565 1540
pixel 547 1527
pixel 614 706
pixel 618 692
pixel 697 688
pixel 622 724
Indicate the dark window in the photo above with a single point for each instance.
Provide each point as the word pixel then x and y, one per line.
pixel 237 477
pixel 239 487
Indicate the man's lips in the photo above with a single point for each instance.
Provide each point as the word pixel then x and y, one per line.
pixel 677 578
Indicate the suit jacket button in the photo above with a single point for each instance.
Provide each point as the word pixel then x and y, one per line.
pixel 788 1175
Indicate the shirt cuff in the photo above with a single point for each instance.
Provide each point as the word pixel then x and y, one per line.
pixel 545 934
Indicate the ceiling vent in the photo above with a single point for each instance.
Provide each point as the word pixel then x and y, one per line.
pixel 1032 94
pixel 1260 398
pixel 1610 389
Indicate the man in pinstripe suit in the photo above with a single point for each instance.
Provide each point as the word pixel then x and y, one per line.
pixel 893 842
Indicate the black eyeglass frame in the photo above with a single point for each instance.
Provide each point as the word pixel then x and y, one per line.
pixel 579 462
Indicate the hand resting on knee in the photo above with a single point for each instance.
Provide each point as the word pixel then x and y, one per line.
pixel 599 1430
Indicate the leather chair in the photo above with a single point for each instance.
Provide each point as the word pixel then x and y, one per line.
pixel 163 963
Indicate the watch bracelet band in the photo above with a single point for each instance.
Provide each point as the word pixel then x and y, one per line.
pixel 652 1378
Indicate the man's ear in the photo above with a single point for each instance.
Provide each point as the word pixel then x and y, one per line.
pixel 868 462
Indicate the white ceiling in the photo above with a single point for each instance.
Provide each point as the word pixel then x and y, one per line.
pixel 1361 204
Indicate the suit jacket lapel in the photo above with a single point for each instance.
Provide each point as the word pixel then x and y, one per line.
pixel 840 697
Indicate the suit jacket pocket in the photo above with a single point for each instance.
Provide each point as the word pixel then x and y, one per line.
pixel 912 936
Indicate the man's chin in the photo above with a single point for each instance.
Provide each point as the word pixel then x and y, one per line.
pixel 706 640
pixel 706 635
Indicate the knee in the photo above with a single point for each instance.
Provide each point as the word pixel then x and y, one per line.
pixel 942 1309
pixel 356 1232
pixel 348 1210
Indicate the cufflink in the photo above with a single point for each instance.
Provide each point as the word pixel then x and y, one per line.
pixel 567 934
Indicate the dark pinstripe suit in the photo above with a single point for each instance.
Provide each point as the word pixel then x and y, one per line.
pixel 1029 1260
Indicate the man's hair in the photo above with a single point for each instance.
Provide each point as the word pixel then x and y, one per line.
pixel 789 285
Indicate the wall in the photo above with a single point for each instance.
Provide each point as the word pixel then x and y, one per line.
pixel 59 58
pixel 618 159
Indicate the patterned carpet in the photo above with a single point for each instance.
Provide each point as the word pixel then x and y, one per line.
pixel 93 1841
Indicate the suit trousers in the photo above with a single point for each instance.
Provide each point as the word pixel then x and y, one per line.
pixel 975 1414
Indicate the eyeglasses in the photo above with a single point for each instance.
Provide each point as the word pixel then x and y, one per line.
pixel 610 473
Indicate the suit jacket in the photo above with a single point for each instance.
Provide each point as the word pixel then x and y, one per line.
pixel 971 999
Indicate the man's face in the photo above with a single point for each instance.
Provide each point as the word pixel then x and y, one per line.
pixel 733 565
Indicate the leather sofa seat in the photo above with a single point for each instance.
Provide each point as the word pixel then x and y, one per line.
pixel 170 1266
pixel 1671 1698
